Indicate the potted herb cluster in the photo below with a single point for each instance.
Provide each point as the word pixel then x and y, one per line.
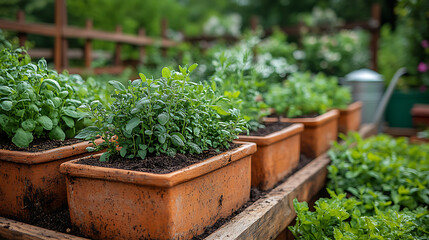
pixel 339 97
pixel 278 144
pixel 299 100
pixel 160 177
pixel 38 120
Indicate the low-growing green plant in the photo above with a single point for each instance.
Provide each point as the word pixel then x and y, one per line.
pixel 36 102
pixel 381 171
pixel 162 116
pixel 339 217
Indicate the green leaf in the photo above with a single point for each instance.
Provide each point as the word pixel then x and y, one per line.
pixel 123 151
pixel 134 122
pixel 166 73
pixel 28 125
pixel 73 114
pixel 4 119
pixel 142 153
pixel 192 67
pixel 162 137
pixel 105 157
pixel 177 140
pixel 57 134
pixel 51 83
pixel 5 90
pixel 63 94
pixel 22 138
pixel 143 77
pixel 163 118
pixel 219 110
pixel 148 132
pixel 69 121
pixel 46 122
pixel 117 85
pixel 6 105
pixel 88 132
pixel 42 64
pixel 194 147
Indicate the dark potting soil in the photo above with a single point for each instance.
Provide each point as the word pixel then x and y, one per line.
pixel 37 145
pixel 270 128
pixel 155 164
pixel 310 115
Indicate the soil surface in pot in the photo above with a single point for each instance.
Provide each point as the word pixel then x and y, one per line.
pixel 310 115
pixel 270 128
pixel 155 164
pixel 38 145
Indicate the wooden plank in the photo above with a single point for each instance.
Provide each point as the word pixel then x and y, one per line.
pixel 33 28
pixel 10 229
pixel 270 215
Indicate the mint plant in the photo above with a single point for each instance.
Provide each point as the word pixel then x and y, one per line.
pixel 36 102
pixel 381 171
pixel 162 116
pixel 339 217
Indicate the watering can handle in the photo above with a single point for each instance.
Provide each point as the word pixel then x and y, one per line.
pixel 385 99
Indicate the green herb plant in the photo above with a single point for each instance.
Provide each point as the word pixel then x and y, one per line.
pixel 339 217
pixel 36 102
pixel 381 171
pixel 162 116
pixel 235 78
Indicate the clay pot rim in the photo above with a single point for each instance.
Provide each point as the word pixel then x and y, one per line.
pixel 46 155
pixel 274 137
pixel 352 107
pixel 316 121
pixel 188 173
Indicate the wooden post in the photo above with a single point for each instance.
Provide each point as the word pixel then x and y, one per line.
pixel 254 23
pixel 88 46
pixel 118 47
pixel 142 49
pixel 64 42
pixel 164 26
pixel 375 34
pixel 60 10
pixel 20 17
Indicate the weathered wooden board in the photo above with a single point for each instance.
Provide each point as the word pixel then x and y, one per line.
pixel 10 229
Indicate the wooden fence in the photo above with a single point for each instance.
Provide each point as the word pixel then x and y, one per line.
pixel 62 32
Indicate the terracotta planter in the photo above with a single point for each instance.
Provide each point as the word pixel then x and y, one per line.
pixel 318 132
pixel 110 203
pixel 350 118
pixel 277 155
pixel 30 182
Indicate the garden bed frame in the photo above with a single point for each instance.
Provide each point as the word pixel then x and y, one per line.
pixel 264 219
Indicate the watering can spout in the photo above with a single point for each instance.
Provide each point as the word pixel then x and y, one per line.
pixel 387 94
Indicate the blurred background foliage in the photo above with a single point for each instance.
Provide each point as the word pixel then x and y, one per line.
pixel 405 27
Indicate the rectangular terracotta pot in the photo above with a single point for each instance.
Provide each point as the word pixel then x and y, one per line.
pixel 350 118
pixel 318 132
pixel 108 203
pixel 30 182
pixel 277 155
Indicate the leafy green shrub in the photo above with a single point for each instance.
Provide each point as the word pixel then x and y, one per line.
pixel 339 217
pixel 163 116
pixel 336 54
pixel 36 102
pixel 380 171
pixel 235 78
